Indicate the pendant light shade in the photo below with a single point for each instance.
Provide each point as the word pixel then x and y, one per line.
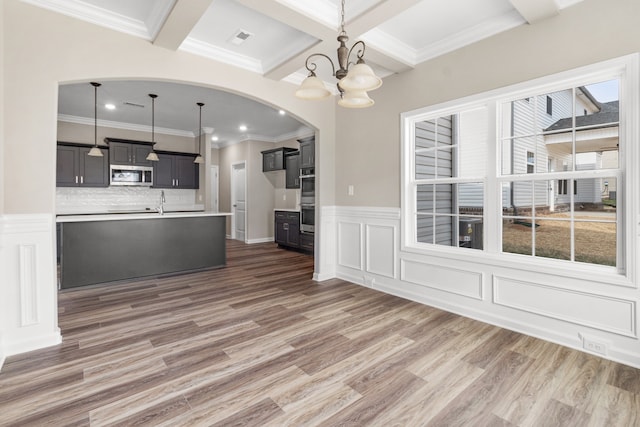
pixel 360 77
pixel 153 157
pixel 355 99
pixel 312 88
pixel 95 151
pixel 199 158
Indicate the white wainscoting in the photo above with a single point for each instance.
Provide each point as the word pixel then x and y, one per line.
pixel 362 245
pixel 28 302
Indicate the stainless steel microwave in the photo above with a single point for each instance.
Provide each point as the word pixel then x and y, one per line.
pixel 131 175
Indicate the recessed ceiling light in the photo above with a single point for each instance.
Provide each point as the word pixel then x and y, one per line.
pixel 109 106
pixel 214 138
pixel 282 112
pixel 242 128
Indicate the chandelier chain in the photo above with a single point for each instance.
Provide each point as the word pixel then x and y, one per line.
pixel 342 18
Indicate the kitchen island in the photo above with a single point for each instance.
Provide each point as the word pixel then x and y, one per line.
pixel 103 248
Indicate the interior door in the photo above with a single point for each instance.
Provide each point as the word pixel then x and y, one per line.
pixel 239 202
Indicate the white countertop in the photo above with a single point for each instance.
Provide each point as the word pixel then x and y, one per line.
pixel 287 210
pixel 140 215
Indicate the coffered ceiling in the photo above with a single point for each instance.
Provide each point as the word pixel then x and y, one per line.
pixel 274 37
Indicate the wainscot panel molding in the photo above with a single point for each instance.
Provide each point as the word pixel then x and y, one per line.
pixel 443 278
pixel 28 311
pixel 613 314
pixel 381 256
pixel 350 244
pixel 598 316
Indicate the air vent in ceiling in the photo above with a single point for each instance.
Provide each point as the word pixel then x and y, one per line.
pixel 240 36
pixel 133 104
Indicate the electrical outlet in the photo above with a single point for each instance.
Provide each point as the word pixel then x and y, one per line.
pixel 594 346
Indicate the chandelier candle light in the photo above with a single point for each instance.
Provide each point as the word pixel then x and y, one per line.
pixel 353 82
pixel 95 151
pixel 152 155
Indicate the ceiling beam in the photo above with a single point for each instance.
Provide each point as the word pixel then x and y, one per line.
pixel 535 10
pixel 280 12
pixel 364 22
pixel 181 20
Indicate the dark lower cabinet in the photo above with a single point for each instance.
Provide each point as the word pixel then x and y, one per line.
pixel 287 228
pixel 288 234
pixel 75 168
pixel 306 241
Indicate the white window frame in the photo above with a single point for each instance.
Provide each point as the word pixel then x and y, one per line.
pixel 626 69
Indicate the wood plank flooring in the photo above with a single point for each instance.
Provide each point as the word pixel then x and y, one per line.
pixel 258 343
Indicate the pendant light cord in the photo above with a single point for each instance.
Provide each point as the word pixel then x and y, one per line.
pixel 200 104
pixel 95 112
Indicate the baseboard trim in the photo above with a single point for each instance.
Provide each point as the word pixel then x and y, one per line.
pixel 261 240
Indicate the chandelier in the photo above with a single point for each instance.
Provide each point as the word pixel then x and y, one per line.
pixel 353 82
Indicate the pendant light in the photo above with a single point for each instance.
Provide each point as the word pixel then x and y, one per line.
pixel 353 81
pixel 199 158
pixel 152 155
pixel 95 151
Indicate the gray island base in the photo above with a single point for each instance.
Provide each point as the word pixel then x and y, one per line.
pixel 111 248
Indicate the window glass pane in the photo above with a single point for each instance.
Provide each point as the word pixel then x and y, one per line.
pixel 445 231
pixel 521 198
pixel 597 104
pixel 591 195
pixel 516 236
pixel 445 162
pixel 471 198
pixel 472 133
pixel 424 198
pixel 544 198
pixel 470 232
pixel 424 228
pixel 553 110
pixel 553 238
pixel 444 198
pixel 425 134
pixel 595 242
pixel 519 156
pixel 518 117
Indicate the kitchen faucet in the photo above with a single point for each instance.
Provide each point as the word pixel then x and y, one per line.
pixel 160 208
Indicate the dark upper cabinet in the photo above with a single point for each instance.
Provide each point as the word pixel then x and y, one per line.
pixel 307 152
pixel 129 153
pixel 273 160
pixel 75 168
pixel 175 170
pixel 292 165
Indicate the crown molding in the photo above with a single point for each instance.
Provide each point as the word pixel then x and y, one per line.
pixel 125 126
pixel 391 46
pixel 98 16
pixel 474 34
pixel 158 15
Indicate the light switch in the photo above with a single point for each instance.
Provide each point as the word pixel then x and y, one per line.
pixel 350 190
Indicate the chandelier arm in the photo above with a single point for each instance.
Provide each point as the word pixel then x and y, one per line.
pixel 359 54
pixel 308 65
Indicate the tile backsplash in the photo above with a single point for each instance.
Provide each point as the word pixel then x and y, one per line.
pixel 71 200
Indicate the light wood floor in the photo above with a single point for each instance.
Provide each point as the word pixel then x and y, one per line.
pixel 260 344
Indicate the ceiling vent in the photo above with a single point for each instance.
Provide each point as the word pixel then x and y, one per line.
pixel 133 104
pixel 240 36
